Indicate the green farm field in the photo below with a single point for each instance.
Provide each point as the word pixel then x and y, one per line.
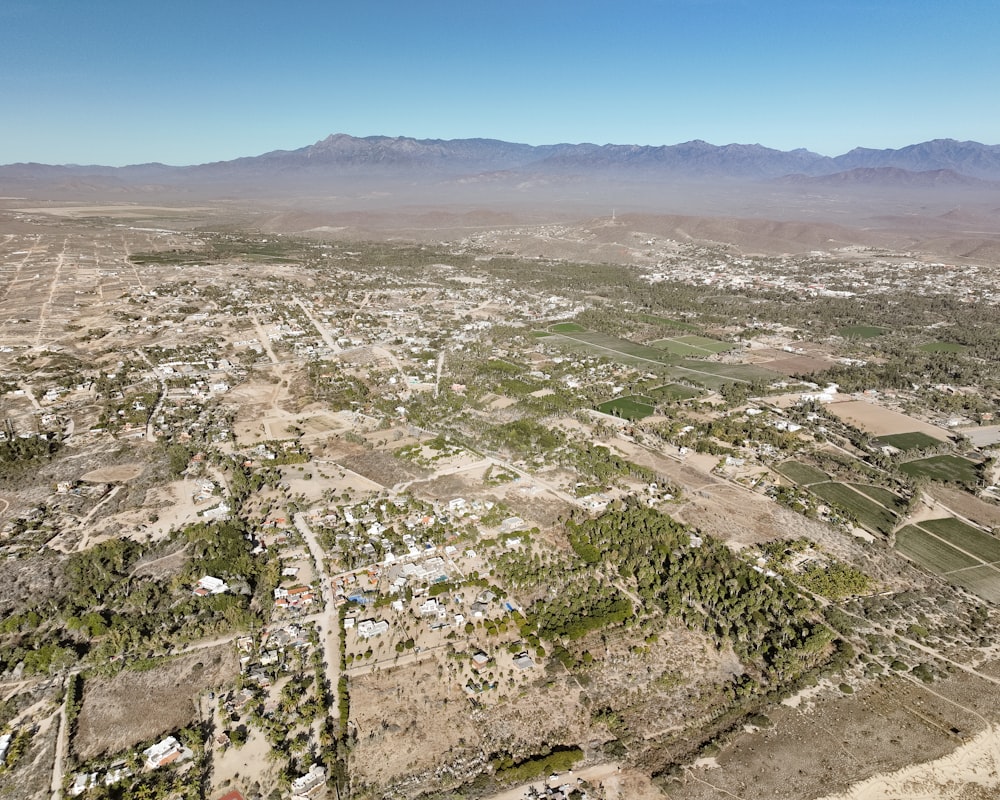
pixel 890 500
pixel 692 345
pixel 972 540
pixel 947 469
pixel 983 581
pixel 909 441
pixel 630 407
pixel 653 319
pixel 930 552
pixel 673 391
pixel 803 474
pixel 942 347
pixel 868 513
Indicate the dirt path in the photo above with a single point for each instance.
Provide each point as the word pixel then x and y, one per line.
pixel 62 747
pixel 46 308
pixel 323 333
pixel 327 623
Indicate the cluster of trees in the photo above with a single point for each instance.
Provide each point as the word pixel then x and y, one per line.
pixel 105 609
pixel 768 623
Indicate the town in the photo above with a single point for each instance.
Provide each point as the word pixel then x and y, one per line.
pixel 292 517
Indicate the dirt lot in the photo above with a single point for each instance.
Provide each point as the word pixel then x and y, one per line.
pixel 881 421
pixel 966 505
pixel 408 721
pixel 115 474
pixel 133 707
pixel 881 728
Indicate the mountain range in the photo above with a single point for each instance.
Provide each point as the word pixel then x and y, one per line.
pixel 952 161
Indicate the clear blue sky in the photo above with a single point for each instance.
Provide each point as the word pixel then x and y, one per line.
pixel 183 82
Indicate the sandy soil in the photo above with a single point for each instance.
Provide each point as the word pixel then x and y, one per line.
pixel 882 421
pixel 115 474
pixel 972 772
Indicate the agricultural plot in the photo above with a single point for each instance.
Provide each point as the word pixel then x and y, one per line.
pixel 947 469
pixel 931 552
pixel 692 345
pixel 567 327
pixel 630 407
pixel 963 555
pixel 890 500
pixel 800 473
pixel 673 391
pixel 862 331
pixel 866 511
pixel 880 421
pixel 915 440
pixel 965 537
pixel 610 345
pixel 679 348
pixel 983 581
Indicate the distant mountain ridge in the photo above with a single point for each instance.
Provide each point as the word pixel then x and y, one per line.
pixel 400 156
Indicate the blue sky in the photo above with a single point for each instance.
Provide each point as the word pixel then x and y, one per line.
pixel 184 82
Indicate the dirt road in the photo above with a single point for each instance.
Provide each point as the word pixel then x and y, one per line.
pixel 328 622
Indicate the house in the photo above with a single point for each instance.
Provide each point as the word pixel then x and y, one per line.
pixel 310 784
pixel 368 628
pixel 232 796
pixel 168 751
pixel 83 782
pixel 480 660
pixel 209 585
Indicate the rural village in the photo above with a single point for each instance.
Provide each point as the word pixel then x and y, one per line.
pixel 303 518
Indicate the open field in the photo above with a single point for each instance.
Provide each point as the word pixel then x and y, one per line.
pixel 653 319
pixel 791 366
pixel 963 555
pixel 630 407
pixel 801 473
pixel 915 440
pixel 880 421
pixel 948 469
pixel 965 505
pixel 134 707
pixel 868 513
pixel 567 327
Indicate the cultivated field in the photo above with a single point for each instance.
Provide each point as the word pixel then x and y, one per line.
pixel 868 513
pixel 804 474
pixel 631 407
pixel 963 555
pixel 914 440
pixel 947 469
pixel 881 421
pixel 692 345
